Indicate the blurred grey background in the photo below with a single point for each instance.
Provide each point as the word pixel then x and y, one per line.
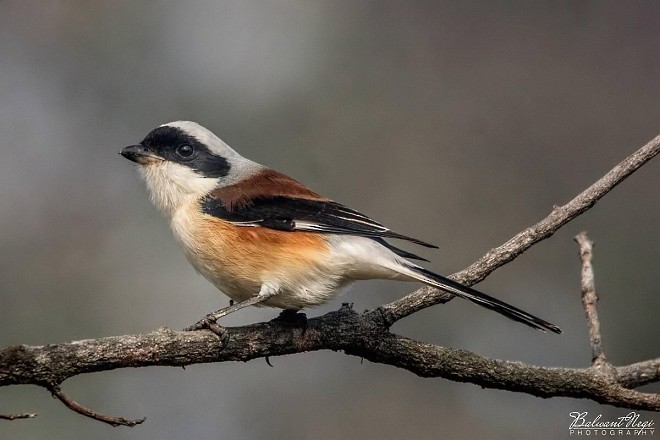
pixel 460 123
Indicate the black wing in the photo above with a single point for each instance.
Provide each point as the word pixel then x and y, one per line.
pixel 296 214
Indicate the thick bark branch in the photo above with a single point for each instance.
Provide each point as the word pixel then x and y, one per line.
pixel 641 373
pixel 356 334
pixel 428 360
pixel 366 335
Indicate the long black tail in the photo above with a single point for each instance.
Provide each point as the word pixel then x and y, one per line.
pixel 511 312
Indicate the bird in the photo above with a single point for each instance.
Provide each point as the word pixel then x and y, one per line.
pixel 265 239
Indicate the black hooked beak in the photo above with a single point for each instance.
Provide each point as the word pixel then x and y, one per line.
pixel 139 154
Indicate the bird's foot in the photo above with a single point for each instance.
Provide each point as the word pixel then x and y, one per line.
pixel 346 308
pixel 292 318
pixel 209 322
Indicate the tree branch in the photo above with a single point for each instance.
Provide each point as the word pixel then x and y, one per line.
pixel 589 299
pixel 57 392
pixel 356 334
pixel 641 373
pixel 428 360
pixel 366 335
pixel 17 416
pixel 507 252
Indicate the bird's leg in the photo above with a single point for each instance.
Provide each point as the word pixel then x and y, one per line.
pixel 210 321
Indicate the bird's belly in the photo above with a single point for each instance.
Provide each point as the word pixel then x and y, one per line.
pixel 238 260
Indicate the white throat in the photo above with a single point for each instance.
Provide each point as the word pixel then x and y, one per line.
pixel 172 186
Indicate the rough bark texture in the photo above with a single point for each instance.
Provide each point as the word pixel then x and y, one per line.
pixel 363 335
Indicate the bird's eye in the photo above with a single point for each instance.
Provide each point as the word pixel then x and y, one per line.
pixel 185 151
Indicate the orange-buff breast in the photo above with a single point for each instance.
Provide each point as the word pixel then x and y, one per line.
pixel 238 259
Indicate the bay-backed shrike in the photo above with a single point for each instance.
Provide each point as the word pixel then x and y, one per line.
pixel 265 239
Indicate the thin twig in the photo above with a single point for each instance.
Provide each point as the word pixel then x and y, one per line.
pixel 427 296
pixel 17 416
pixel 57 392
pixel 590 298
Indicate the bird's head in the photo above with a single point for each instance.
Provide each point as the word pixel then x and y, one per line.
pixel 183 161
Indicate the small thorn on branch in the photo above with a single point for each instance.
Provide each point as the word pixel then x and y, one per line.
pixel 57 392
pixel 17 416
pixel 590 298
